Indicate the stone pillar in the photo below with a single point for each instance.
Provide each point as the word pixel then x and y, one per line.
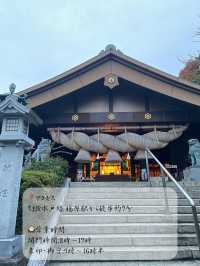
pixel 15 117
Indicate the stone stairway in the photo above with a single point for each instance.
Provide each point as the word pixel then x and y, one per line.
pixel 128 221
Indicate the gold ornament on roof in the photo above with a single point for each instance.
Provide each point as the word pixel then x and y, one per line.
pixel 111 81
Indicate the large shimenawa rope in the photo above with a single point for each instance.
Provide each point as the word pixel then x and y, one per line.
pixel 126 142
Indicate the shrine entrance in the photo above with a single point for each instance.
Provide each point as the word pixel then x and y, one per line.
pixel 110 168
pixel 100 169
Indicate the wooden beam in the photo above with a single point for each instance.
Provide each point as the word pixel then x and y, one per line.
pixel 147 104
pixel 104 128
pixel 123 118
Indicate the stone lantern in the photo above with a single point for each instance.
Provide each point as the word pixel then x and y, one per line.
pixel 15 118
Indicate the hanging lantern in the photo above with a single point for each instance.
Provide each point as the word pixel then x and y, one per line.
pixel 83 156
pixel 113 156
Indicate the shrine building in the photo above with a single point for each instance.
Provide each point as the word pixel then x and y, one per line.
pixel 103 113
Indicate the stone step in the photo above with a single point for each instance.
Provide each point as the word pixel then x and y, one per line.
pixel 127 253
pixel 181 262
pixel 134 202
pixel 132 209
pixel 128 228
pixel 104 240
pixel 89 188
pixel 135 190
pixel 128 195
pixel 129 218
pixel 126 222
pixel 157 183
pixel 130 202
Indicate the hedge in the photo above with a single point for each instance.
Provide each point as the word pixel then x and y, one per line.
pixel 50 172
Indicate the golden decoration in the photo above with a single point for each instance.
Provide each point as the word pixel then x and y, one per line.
pixel 111 116
pixel 111 81
pixel 75 117
pixel 147 116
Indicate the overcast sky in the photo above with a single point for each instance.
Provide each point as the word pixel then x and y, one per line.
pixel 43 38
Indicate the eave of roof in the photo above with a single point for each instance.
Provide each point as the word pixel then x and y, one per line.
pixel 118 56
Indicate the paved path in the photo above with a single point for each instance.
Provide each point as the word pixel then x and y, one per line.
pixel 122 263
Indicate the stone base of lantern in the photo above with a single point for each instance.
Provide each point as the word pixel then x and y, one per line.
pixel 10 247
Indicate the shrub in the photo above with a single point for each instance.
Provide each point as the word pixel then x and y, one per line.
pixel 50 172
pixel 56 165
pixel 37 178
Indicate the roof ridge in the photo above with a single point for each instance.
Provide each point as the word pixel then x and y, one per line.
pixel 111 50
